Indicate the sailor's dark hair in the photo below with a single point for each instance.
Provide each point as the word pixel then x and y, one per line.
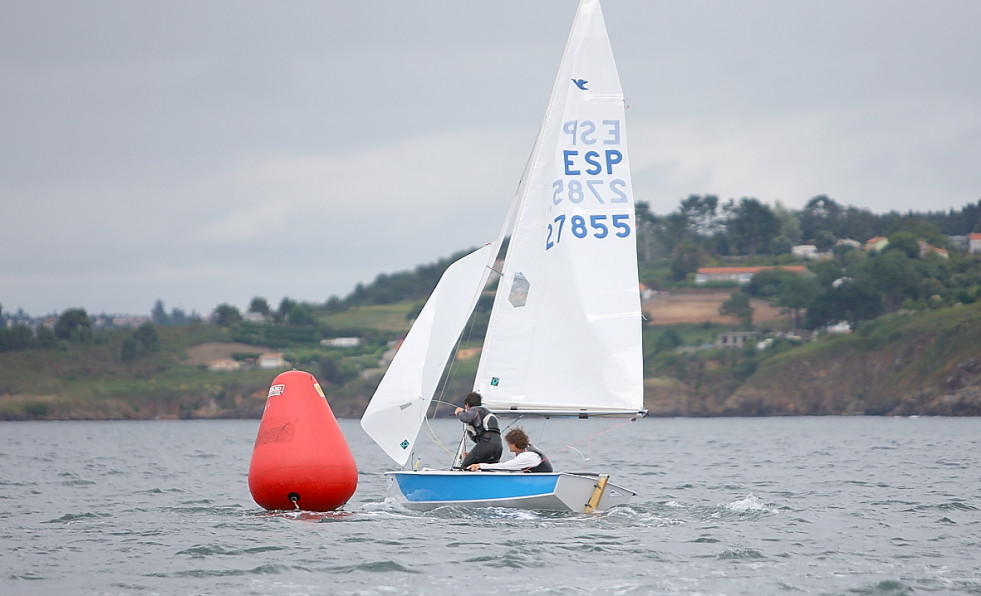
pixel 472 399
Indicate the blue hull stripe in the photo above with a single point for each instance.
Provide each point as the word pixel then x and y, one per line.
pixel 474 487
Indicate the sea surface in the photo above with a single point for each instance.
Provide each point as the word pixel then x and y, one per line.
pixel 725 506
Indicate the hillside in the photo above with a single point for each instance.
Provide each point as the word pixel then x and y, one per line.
pixel 926 363
pixel 923 363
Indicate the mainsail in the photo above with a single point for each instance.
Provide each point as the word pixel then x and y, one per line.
pixel 565 331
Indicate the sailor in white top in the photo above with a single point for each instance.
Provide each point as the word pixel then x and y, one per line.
pixel 527 458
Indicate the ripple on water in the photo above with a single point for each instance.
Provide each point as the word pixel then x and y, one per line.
pixel 206 550
pixel 266 569
pixel 890 587
pixel 952 506
pixel 74 517
pixel 741 554
pixel 383 566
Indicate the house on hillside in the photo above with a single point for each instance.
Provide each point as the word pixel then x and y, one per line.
pixel 224 364
pixel 974 243
pixel 735 339
pixel 805 251
pixel 255 317
pixel 877 243
pixel 341 342
pixel 271 361
pixel 928 249
pixel 740 275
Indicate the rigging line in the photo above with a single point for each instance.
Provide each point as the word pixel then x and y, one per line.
pixel 590 437
pixel 449 370
pixel 446 384
pixel 515 421
pixel 435 439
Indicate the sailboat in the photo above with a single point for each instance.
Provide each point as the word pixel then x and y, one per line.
pixel 564 336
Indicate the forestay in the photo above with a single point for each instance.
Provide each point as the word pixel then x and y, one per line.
pixel 565 331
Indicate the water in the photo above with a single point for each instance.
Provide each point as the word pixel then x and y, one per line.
pixel 726 506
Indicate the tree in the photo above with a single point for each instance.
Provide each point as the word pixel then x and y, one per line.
pixel 686 258
pixel 74 324
pixel 179 317
pixel 789 224
pixel 893 274
pixel 820 213
pixel 158 314
pixel 330 369
pixel 766 283
pixel 925 230
pixel 738 305
pixel 295 313
pixel 668 340
pixel 827 271
pixel 752 226
pixel 142 342
pixel 790 290
pixel 780 245
pixel 301 314
pixel 46 337
pixel 18 337
pixel 904 241
pixel 701 215
pixel 147 337
pixel 226 314
pixel 824 240
pixel 650 240
pixel 260 306
pixel 848 301
pixel 859 224
pixel 795 293
pixel 286 306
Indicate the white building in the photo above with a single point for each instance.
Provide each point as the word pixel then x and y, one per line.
pixel 974 243
pixel 271 361
pixel 341 342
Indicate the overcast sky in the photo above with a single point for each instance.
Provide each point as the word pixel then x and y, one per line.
pixel 206 152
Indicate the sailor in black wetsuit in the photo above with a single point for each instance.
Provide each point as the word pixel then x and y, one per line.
pixel 482 429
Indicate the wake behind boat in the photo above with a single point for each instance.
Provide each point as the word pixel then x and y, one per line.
pixel 564 336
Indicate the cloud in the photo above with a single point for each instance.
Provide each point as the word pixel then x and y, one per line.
pixel 207 152
pixel 878 155
pixel 304 226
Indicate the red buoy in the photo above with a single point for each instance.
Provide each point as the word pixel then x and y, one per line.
pixel 300 459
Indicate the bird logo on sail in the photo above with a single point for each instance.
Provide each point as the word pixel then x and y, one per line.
pixel 581 83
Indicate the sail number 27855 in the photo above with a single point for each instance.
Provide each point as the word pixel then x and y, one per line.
pixel 598 226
